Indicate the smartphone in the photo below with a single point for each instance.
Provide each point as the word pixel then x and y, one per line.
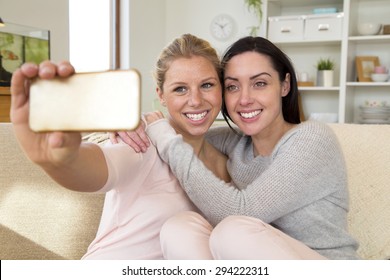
pixel 100 101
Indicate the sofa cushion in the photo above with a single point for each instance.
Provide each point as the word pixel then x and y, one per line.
pixel 41 220
pixel 38 218
pixel 367 153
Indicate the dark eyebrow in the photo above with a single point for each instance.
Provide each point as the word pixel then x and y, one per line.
pixel 258 75
pixel 230 78
pixel 250 78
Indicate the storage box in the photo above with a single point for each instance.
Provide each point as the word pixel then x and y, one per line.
pixel 326 27
pixel 285 28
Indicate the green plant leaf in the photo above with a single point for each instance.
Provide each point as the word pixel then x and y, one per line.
pixel 325 64
pixel 255 7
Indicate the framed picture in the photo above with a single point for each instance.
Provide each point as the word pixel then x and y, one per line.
pixel 365 66
pixel 16 50
pixel 11 56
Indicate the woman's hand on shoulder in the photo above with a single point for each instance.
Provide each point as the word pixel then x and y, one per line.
pixel 137 139
pixel 151 117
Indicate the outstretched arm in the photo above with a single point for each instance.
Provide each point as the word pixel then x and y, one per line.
pixel 75 165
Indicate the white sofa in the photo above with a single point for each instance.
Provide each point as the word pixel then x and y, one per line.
pixel 41 220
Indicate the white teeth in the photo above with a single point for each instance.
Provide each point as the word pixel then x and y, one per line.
pixel 196 117
pixel 251 114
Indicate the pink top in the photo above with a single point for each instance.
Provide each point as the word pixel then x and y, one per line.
pixel 141 194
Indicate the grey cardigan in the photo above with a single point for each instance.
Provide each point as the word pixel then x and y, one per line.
pixel 301 188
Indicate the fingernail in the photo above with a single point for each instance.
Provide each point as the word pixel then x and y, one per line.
pixel 64 67
pixel 29 65
pixel 46 71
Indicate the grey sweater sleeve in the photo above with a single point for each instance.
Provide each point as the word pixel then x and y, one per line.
pixel 306 166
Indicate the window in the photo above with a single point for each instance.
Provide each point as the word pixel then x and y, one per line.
pixel 92 35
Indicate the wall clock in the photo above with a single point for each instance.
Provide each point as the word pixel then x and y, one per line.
pixel 222 27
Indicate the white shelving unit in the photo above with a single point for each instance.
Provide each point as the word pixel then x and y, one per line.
pixel 347 94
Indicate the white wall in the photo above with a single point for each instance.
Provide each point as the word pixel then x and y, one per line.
pixel 91 39
pixel 147 38
pixel 44 14
pixel 195 16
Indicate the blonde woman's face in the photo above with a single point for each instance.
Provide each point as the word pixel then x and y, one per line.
pixel 192 94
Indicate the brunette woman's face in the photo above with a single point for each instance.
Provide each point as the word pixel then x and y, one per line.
pixel 192 94
pixel 253 92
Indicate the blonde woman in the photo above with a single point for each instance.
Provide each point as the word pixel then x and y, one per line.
pixel 141 191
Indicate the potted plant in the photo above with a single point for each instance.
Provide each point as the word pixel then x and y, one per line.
pixel 325 72
pixel 255 6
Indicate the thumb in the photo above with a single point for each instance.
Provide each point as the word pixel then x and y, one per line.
pixel 64 140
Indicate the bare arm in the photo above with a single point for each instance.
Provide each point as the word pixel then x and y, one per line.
pixel 74 165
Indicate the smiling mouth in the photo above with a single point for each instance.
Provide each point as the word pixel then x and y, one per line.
pixel 250 115
pixel 196 117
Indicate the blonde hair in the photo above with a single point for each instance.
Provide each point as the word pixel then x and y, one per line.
pixel 185 46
